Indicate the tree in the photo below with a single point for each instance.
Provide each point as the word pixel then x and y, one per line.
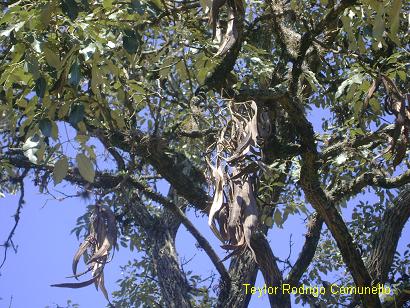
pixel 213 99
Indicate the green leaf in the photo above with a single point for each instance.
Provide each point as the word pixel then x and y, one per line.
pixel 40 87
pixel 46 127
pixel 138 7
pixel 70 8
pixel 86 167
pixel 74 75
pixel 202 74
pixel 277 217
pixel 107 4
pixel 60 170
pixel 402 75
pixel 130 41
pixel 394 15
pixel 375 104
pixel 54 130
pixel 76 114
pixel 96 79
pixel 378 26
pixel 51 58
pixel 32 66
pixel 269 222
pixel 357 78
pixel 46 13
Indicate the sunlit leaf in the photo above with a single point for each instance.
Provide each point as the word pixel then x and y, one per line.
pixel 60 170
pixel 85 167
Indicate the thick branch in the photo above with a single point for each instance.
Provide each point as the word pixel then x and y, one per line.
pixel 385 243
pixel 308 38
pixel 309 180
pixel 287 39
pixel 261 96
pixel 197 133
pixel 175 167
pixel 172 280
pixel 117 157
pixel 352 188
pixel 202 241
pixel 218 79
pixel 308 250
pixel 242 269
pixel 336 149
pixel 267 264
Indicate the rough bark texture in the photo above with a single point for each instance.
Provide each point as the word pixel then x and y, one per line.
pixel 334 221
pixel 385 242
pixel 174 286
pixel 318 198
pixel 243 269
pixel 270 271
pixel 308 250
pixel 161 232
pixel 173 283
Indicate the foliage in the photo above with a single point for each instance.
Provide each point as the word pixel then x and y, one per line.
pixel 124 97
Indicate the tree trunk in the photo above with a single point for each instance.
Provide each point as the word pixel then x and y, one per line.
pixel 174 286
pixel 243 269
pixel 273 277
pixel 388 235
pixel 173 283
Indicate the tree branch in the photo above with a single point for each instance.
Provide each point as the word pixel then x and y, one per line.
pixel 309 36
pixel 202 241
pixel 308 250
pixel 287 39
pixel 271 273
pixel 117 157
pixel 325 206
pixel 242 269
pixel 340 147
pixel 169 163
pixel 352 188
pixel 9 242
pixel 385 243
pixel 217 80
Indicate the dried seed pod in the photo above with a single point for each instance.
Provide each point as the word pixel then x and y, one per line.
pixel 237 213
pixel 101 239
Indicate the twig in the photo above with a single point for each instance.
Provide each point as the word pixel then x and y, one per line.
pixel 9 241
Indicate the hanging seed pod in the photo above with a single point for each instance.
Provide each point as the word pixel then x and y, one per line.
pixel 101 239
pixel 234 204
